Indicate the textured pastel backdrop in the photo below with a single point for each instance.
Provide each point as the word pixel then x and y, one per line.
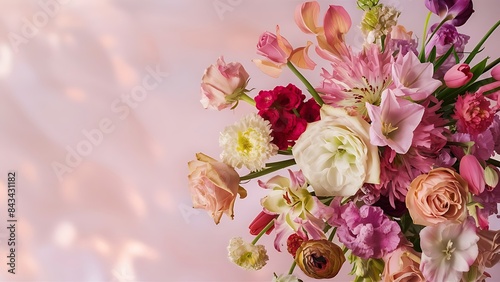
pixel 99 114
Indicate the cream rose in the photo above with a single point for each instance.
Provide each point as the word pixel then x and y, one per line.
pixel 335 154
pixel 213 186
pixel 437 196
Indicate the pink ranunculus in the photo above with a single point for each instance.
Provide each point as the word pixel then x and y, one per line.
pixel 213 186
pixel 458 76
pixel 222 84
pixel 473 113
pixel 438 196
pixel 402 265
pixel 472 171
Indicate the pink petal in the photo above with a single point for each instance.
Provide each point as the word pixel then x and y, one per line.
pixel 268 67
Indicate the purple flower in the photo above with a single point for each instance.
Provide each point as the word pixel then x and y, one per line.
pixel 446 37
pixel 367 232
pixel 457 10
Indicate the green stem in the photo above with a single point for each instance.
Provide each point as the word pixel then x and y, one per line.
pixel 276 166
pixel 424 36
pixel 308 85
pixel 269 225
pixel 285 152
pixel 330 238
pixel 478 46
pixel 493 162
pixel 292 267
pixel 248 99
pixel 491 65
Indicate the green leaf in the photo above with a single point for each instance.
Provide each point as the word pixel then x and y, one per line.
pixel 443 58
pixel 432 55
pixel 480 44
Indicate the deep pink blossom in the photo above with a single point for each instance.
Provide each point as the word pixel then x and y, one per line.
pixel 473 113
pixel 367 232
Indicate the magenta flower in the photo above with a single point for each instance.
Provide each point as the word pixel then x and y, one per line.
pixel 367 232
pixel 448 250
pixel 413 77
pixel 394 121
pixel 457 10
pixel 473 113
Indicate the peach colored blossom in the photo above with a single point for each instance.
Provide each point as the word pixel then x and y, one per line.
pixel 437 196
pixel 402 265
pixel 213 186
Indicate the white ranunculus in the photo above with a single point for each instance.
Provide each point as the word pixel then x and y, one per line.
pixel 335 154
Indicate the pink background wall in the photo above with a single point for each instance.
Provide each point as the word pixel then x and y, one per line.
pixel 122 212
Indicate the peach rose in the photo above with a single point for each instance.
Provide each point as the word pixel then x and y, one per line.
pixel 213 186
pixel 437 196
pixel 402 265
pixel 222 84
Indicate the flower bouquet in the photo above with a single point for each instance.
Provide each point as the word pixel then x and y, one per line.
pixel 390 158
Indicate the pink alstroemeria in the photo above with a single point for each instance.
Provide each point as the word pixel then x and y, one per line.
pixel 330 36
pixel 279 51
pixel 448 249
pixel 458 76
pixel 413 77
pixel 394 121
pixel 472 171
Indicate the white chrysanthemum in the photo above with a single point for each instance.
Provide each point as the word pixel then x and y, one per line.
pixel 246 255
pixel 285 278
pixel 248 143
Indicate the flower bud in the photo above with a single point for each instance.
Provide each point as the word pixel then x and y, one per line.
pixel 320 258
pixel 458 76
pixel 491 176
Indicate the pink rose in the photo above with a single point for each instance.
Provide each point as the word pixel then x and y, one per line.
pixel 213 186
pixel 222 84
pixel 458 76
pixel 437 196
pixel 402 265
pixel 274 47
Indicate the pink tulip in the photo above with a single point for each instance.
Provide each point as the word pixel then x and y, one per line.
pixel 458 76
pixel 472 171
pixel 495 72
pixel 260 221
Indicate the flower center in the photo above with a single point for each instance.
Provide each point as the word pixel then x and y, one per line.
pixel 387 129
pixel 449 250
pixel 244 144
